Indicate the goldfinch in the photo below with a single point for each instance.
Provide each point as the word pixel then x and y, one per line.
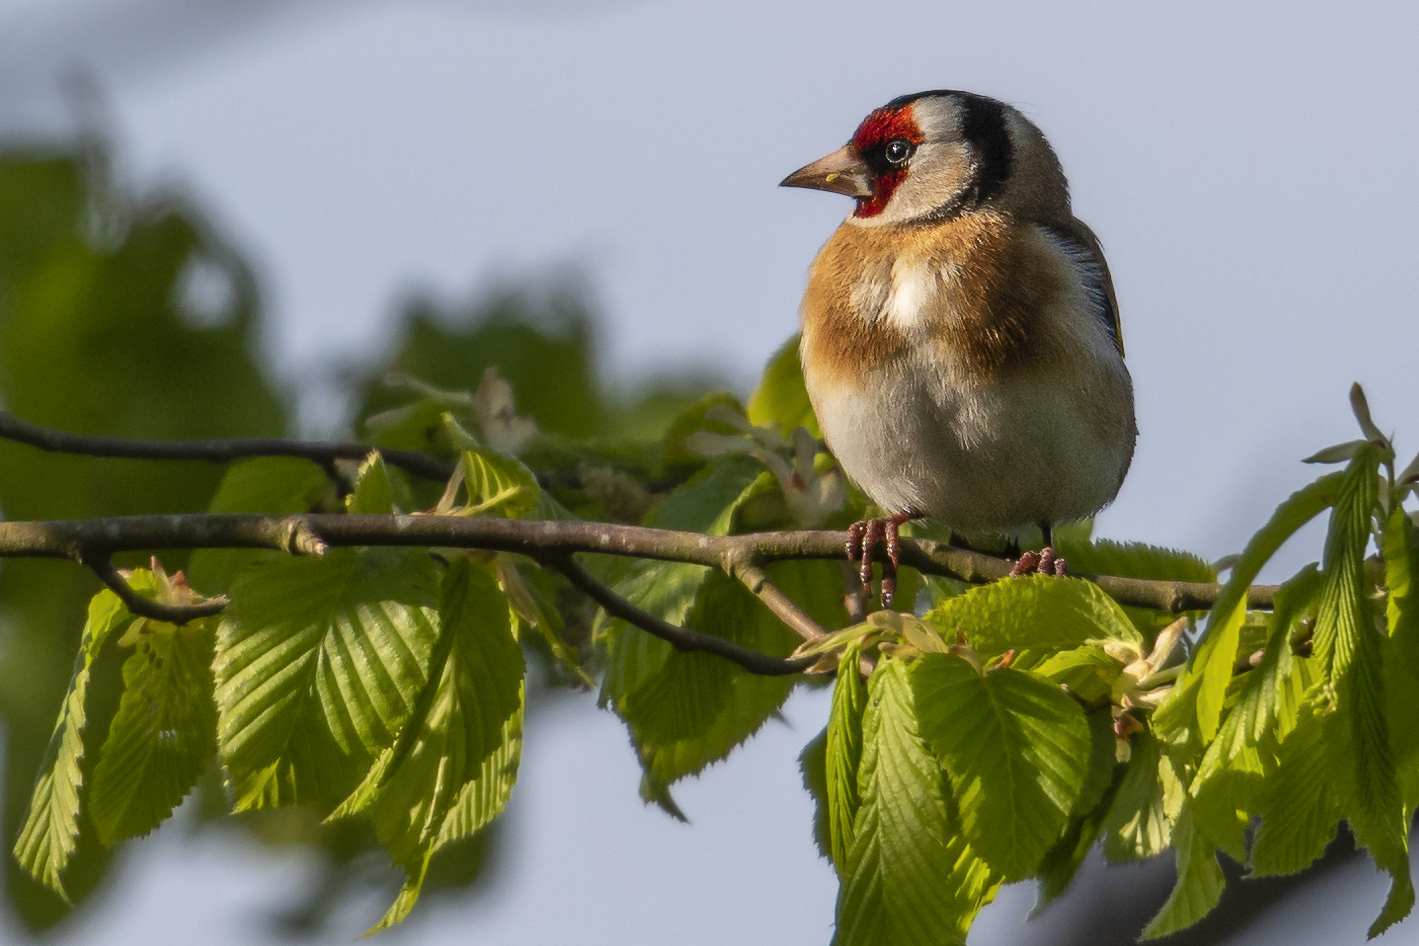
pixel 961 343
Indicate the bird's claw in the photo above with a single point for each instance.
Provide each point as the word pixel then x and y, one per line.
pixel 862 541
pixel 1043 562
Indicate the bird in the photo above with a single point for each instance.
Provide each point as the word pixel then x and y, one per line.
pixel 960 340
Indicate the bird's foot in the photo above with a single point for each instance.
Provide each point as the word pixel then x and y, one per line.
pixel 1043 562
pixel 862 540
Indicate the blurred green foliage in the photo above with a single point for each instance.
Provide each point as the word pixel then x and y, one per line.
pixel 128 315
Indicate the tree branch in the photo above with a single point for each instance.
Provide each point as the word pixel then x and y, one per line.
pixel 215 451
pixel 681 637
pixel 178 614
pixel 542 540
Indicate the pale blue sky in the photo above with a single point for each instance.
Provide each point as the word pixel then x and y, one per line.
pixel 1250 169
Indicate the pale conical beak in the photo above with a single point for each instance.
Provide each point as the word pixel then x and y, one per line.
pixel 841 172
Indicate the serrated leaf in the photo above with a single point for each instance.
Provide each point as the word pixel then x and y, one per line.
pixel 912 877
pixel 665 589
pixel 498 485
pixel 1199 884
pixel 1035 616
pixel 1348 651
pixel 844 755
pixel 734 704
pixel 1230 780
pixel 1401 649
pixel 1133 560
pixel 480 801
pixel 51 826
pixel 708 501
pixel 1303 807
pixel 1088 671
pixel 279 485
pixel 1063 860
pixel 781 397
pixel 163 735
pixel 319 662
pixel 1017 749
pixel 462 719
pixel 373 493
pixel 813 767
pixel 1139 823
pixel 1194 707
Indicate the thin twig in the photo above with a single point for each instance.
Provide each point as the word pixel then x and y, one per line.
pixel 784 608
pixel 216 451
pixel 681 637
pixel 178 614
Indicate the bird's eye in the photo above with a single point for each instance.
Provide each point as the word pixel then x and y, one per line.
pixel 898 151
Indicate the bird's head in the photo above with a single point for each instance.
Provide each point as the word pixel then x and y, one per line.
pixel 935 155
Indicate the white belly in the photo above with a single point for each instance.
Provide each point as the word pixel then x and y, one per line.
pixel 984 457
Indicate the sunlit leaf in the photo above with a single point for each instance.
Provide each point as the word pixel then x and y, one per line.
pixel 911 876
pixel 1348 651
pixel 1017 749
pixel 1139 823
pixel 498 484
pixel 781 397
pixel 461 720
pixel 164 734
pixel 373 493
pixel 1194 707
pixel 319 662
pixel 1303 808
pixel 735 703
pixel 47 841
pixel 1062 861
pixel 1401 649
pixel 1199 884
pixel 1035 616
pixel 844 755
pixel 263 484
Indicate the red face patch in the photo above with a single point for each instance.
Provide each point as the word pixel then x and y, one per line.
pixel 871 137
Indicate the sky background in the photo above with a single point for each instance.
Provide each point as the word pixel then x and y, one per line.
pixel 1250 168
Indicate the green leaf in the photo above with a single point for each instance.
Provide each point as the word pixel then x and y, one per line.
pixel 1401 649
pixel 1035 616
pixel 813 766
pixel 1194 707
pixel 1199 884
pixel 686 711
pixel 708 501
pixel 1133 560
pixel 164 734
pixel 1348 650
pixel 781 397
pixel 1017 749
pixel 48 839
pixel 911 876
pixel 1303 808
pixel 665 589
pixel 469 713
pixel 280 485
pixel 373 492
pixel 1140 820
pixel 498 485
pixel 844 755
pixel 1088 671
pixel 676 739
pixel 319 662
pixel 1230 780
pixel 1062 861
